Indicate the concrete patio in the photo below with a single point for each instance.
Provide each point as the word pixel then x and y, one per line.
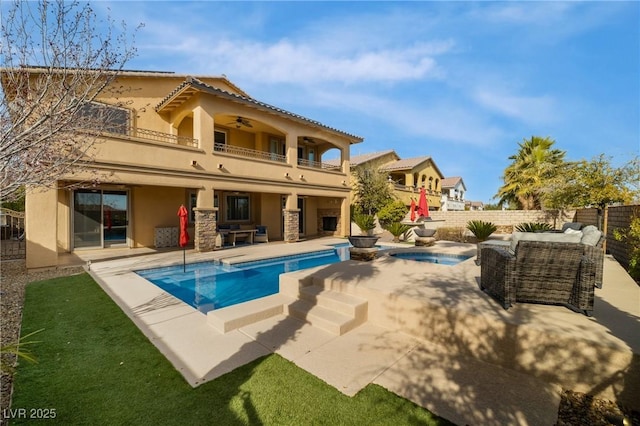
pixel 430 334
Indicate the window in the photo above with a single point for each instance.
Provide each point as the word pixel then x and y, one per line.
pixel 237 207
pixel 107 118
pixel 219 139
pixel 277 146
pixel 193 199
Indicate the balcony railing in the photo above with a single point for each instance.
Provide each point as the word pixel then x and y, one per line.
pixel 317 164
pixel 153 135
pixel 249 153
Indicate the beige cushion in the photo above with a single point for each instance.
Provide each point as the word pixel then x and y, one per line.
pixel 590 235
pixel 543 236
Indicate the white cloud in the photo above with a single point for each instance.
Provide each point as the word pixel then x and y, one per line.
pixel 528 109
pixel 300 63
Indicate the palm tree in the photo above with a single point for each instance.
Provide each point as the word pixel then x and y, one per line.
pixel 526 178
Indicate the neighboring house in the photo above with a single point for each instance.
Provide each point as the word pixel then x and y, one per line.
pixel 406 176
pixel 453 190
pixel 204 143
pixel 474 205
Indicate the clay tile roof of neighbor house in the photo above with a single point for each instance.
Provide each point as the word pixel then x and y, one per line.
pixel 192 85
pixel 407 163
pixel 450 182
pixel 363 158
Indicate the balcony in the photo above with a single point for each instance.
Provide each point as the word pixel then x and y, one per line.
pixel 318 165
pixel 249 153
pixel 269 156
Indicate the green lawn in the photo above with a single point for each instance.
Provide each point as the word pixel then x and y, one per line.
pixel 95 367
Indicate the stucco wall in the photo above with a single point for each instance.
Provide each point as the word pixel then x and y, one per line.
pixel 149 209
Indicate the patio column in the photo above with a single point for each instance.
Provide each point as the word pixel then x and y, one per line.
pixel 206 217
pixel 203 128
pixel 291 143
pixel 291 214
pixel 345 218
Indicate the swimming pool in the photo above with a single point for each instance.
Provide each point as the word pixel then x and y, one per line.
pixel 440 258
pixel 214 285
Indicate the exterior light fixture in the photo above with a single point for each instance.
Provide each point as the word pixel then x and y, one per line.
pixel 220 166
pixel 194 163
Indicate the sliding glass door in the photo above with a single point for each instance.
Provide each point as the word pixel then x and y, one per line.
pixel 100 218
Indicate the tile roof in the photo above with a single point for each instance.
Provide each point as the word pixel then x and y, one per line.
pixel 407 163
pixel 363 158
pixel 450 182
pixel 191 85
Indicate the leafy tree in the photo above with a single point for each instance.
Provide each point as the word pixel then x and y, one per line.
pixel 527 177
pixel 594 183
pixel 56 57
pixel 372 190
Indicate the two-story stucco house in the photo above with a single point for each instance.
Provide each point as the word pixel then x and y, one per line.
pixel 453 191
pixel 201 142
pixel 406 176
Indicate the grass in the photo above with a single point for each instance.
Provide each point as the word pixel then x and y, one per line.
pixel 95 367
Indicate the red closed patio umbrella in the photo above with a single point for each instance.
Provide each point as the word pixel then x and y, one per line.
pixel 412 210
pixel 423 206
pixel 183 214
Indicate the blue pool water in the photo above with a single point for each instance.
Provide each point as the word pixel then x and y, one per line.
pixel 213 285
pixel 443 259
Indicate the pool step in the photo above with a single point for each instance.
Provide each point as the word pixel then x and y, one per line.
pixel 236 316
pixel 331 311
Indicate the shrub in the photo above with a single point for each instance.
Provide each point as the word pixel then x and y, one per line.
pixel 631 237
pixel 397 229
pixel 533 227
pixel 451 234
pixel 392 212
pixel 482 230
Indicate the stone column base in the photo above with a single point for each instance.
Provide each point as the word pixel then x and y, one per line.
pixel 291 225
pixel 425 241
pixel 205 229
pixel 363 254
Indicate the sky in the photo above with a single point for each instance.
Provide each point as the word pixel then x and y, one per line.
pixel 461 82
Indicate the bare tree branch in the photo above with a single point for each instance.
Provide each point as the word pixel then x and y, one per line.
pixel 56 58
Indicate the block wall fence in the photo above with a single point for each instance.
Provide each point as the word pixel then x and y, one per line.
pixel 505 220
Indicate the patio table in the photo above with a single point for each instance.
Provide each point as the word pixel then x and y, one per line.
pixel 232 234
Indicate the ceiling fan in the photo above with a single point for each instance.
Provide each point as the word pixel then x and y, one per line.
pixel 240 121
pixel 307 139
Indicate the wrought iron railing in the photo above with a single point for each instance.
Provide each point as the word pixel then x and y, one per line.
pixel 249 153
pixel 317 164
pixel 154 135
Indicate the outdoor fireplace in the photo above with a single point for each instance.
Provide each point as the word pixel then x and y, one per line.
pixel 329 223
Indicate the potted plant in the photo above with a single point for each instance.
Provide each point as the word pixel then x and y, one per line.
pixel 367 224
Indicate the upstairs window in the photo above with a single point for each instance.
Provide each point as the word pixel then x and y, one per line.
pixel 106 118
pixel 220 136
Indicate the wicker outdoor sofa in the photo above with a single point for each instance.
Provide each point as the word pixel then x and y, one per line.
pixel 548 272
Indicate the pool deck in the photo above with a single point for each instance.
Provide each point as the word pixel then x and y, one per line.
pixel 431 335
